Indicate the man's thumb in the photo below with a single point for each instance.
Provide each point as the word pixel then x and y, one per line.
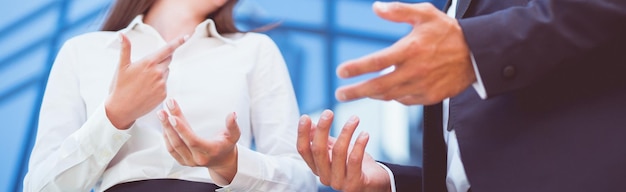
pixel 403 12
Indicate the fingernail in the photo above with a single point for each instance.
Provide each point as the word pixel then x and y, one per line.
pixel 353 119
pixel 186 37
pixel 325 114
pixel 170 104
pixel 172 120
pixel 363 134
pixel 302 121
pixel 342 73
pixel 381 6
pixel 235 115
pixel 160 115
pixel 119 38
pixel 341 96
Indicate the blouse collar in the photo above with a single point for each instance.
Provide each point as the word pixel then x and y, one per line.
pixel 204 29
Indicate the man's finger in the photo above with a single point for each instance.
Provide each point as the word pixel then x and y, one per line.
pixel 355 160
pixel 340 152
pixel 320 148
pixel 125 48
pixel 416 100
pixel 373 87
pixel 404 12
pixel 304 142
pixel 372 63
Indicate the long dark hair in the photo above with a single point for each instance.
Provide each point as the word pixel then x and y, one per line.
pixel 124 11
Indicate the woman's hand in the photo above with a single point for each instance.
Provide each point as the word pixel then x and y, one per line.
pixel 140 86
pixel 219 154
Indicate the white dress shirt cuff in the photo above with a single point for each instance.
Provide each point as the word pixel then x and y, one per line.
pixel 391 179
pixel 249 169
pixel 478 85
pixel 99 137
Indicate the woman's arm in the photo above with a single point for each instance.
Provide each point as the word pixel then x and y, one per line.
pixel 72 149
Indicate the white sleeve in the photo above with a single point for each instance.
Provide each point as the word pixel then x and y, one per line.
pixel 478 85
pixel 391 178
pixel 72 149
pixel 276 164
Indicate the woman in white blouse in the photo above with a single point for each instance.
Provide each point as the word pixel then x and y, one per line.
pixel 143 108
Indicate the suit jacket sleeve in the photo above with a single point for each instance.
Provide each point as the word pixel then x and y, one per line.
pixel 407 178
pixel 516 46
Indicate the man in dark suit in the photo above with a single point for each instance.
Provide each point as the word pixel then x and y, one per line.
pixel 552 116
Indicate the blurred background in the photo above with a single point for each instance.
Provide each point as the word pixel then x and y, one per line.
pixel 315 36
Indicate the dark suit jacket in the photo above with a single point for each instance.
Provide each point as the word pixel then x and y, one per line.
pixel 555 117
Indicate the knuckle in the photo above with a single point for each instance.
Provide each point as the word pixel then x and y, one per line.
pixel 202 161
pixel 171 150
pixel 424 7
pixel 375 87
pixel 338 152
pixel 337 186
pixel 150 61
pixel 431 98
pixel 176 145
pixel 318 150
pixel 170 48
pixel 161 83
pixel 325 181
pixel 161 96
pixel 352 188
pixel 302 149
pixel 379 62
pixel 404 102
pixel 414 45
pixel 157 73
pixel 387 97
pixel 194 144
pixel 354 159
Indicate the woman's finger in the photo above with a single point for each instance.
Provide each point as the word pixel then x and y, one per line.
pixel 176 147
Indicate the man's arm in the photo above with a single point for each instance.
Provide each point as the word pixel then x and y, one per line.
pixel 407 178
pixel 517 46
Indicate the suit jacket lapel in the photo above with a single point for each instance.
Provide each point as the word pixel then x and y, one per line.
pixel 462 8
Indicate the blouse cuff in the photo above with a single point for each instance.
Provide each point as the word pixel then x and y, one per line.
pixel 249 170
pixel 99 137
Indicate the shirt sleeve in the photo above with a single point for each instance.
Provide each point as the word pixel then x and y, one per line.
pixel 72 148
pixel 522 46
pixel 276 164
pixel 391 179
pixel 478 86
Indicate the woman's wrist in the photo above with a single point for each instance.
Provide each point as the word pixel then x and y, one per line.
pixel 116 117
pixel 225 173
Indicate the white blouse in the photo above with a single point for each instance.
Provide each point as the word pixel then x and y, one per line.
pixel 77 147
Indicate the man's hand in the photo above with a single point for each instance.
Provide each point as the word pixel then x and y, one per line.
pixel 140 86
pixel 329 158
pixel 430 64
